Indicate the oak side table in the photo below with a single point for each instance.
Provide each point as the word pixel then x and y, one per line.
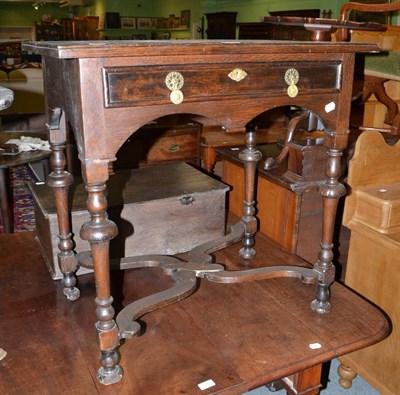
pixel 107 90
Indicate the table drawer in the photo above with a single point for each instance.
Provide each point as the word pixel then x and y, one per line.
pixel 141 86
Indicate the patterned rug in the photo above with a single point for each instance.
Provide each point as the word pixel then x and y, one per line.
pixel 22 201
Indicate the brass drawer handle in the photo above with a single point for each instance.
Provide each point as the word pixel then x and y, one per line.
pixel 174 148
pixel 292 78
pixel 174 82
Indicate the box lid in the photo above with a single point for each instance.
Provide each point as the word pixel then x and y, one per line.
pixel 379 207
pixel 137 186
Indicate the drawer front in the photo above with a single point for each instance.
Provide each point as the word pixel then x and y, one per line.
pixel 141 86
pixel 152 145
pixel 173 146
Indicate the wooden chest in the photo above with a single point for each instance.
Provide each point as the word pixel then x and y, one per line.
pixel 165 209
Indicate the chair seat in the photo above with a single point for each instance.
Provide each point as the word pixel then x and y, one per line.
pixel 384 65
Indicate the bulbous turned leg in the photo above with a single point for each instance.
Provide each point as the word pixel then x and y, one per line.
pixel 99 230
pixel 250 156
pixel 60 180
pixel 346 376
pixel 331 191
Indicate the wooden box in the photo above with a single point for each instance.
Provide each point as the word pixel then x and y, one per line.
pixel 165 209
pixel 307 160
pixel 379 207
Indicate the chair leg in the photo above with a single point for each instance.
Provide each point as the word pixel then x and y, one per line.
pixel 375 85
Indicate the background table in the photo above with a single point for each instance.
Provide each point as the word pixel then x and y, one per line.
pixel 13 160
pixel 241 336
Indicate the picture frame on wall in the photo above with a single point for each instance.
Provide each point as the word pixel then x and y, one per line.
pixel 185 18
pixel 143 23
pixel 128 22
pixel 139 37
pixel 112 20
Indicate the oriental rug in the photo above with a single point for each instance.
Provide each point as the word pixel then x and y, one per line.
pixel 21 200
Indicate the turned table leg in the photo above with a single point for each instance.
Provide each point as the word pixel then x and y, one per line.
pixel 60 180
pixel 331 191
pixel 250 156
pixel 99 230
pixel 209 158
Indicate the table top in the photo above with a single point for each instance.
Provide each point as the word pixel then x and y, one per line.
pixel 239 335
pixel 21 158
pixel 131 48
pixel 6 98
pixel 323 22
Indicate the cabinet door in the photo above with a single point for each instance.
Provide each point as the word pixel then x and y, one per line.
pixel 221 25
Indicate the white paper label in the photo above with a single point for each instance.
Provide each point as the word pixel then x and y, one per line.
pixel 206 384
pixel 330 106
pixel 314 346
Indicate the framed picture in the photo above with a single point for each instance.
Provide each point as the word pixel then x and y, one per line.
pixel 166 36
pixel 160 23
pixel 128 22
pixel 113 20
pixel 185 18
pixel 139 36
pixel 144 23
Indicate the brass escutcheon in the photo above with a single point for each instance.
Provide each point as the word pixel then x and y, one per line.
pixel 237 75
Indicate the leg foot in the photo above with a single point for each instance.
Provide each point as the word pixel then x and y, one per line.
pixel 109 373
pixel 321 304
pixel 321 307
pixel 346 376
pixel 72 293
pixel 275 386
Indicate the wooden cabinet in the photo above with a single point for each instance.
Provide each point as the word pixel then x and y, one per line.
pixel 221 25
pixel 373 266
pixel 85 28
pixel 48 31
pixel 79 28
